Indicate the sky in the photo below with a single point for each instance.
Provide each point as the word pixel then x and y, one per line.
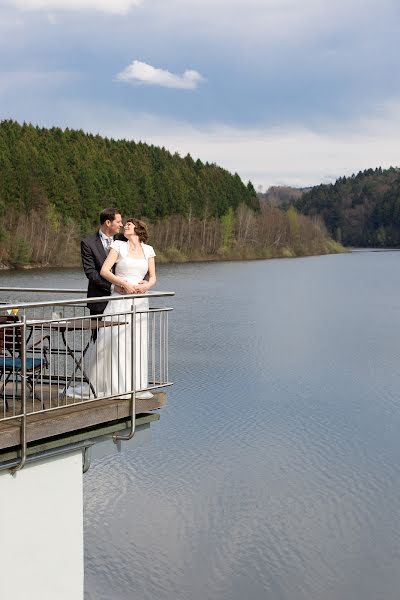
pixel 283 92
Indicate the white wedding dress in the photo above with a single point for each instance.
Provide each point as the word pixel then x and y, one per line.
pixel 111 366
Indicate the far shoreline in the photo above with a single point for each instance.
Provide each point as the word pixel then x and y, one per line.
pixel 181 259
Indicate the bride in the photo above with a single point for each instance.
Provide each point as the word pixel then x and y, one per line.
pixel 111 368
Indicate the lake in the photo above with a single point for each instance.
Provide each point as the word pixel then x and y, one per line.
pixel 274 472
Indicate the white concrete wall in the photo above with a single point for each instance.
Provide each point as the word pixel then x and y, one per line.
pixel 41 531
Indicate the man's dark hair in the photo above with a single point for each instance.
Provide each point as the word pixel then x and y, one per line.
pixel 108 214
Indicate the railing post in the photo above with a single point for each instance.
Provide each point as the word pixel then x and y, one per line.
pixel 131 433
pixel 166 347
pixel 23 398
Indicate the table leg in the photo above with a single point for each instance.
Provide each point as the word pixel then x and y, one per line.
pixel 78 364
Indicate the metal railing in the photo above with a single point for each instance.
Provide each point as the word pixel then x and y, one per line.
pixel 54 354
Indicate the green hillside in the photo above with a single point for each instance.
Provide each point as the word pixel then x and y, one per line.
pixel 76 173
pixel 53 184
pixel 361 210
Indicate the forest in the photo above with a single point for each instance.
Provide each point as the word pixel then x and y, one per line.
pixel 54 182
pixel 361 210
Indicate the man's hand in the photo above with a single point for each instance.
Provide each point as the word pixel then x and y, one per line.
pixel 119 289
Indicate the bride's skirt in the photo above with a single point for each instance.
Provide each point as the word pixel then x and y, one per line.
pixel 118 358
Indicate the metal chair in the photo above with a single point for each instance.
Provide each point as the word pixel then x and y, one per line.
pixel 11 352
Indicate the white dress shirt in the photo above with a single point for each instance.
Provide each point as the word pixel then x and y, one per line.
pixel 106 241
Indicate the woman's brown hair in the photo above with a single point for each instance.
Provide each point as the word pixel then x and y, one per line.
pixel 140 229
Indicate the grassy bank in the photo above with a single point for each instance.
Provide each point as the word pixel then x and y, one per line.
pixel 243 234
pixel 173 255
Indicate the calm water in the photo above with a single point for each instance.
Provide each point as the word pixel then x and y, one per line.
pixel 274 472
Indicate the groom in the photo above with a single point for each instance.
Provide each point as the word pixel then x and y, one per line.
pixel 94 250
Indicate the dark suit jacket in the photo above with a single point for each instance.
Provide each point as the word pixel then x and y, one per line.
pixel 93 256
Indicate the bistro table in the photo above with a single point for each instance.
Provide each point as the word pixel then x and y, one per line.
pixel 69 329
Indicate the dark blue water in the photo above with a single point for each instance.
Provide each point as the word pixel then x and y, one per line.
pixel 274 472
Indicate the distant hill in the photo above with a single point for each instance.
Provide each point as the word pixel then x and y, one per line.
pixel 54 182
pixel 282 196
pixel 74 173
pixel 361 210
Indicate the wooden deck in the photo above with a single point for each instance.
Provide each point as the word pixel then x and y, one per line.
pixel 72 417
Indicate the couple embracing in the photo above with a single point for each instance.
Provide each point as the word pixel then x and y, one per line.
pixel 115 265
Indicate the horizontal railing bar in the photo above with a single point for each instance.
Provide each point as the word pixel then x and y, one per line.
pixel 85 401
pixel 44 290
pixel 21 305
pixel 10 325
pixel 153 385
pixel 38 450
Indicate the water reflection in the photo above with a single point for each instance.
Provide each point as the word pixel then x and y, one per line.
pixel 274 471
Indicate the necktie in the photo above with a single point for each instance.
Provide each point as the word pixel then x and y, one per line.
pixel 108 244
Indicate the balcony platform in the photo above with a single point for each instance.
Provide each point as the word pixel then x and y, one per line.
pixel 72 418
pixel 47 345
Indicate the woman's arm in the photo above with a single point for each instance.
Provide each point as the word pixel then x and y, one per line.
pixel 144 286
pixel 109 275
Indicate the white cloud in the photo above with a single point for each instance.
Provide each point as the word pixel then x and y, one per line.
pixel 298 156
pixel 10 22
pixel 17 82
pixel 120 7
pixel 140 72
pixel 248 19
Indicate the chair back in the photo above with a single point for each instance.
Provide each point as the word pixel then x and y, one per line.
pixel 10 337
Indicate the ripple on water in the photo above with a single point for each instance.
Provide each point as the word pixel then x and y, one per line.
pixel 274 471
